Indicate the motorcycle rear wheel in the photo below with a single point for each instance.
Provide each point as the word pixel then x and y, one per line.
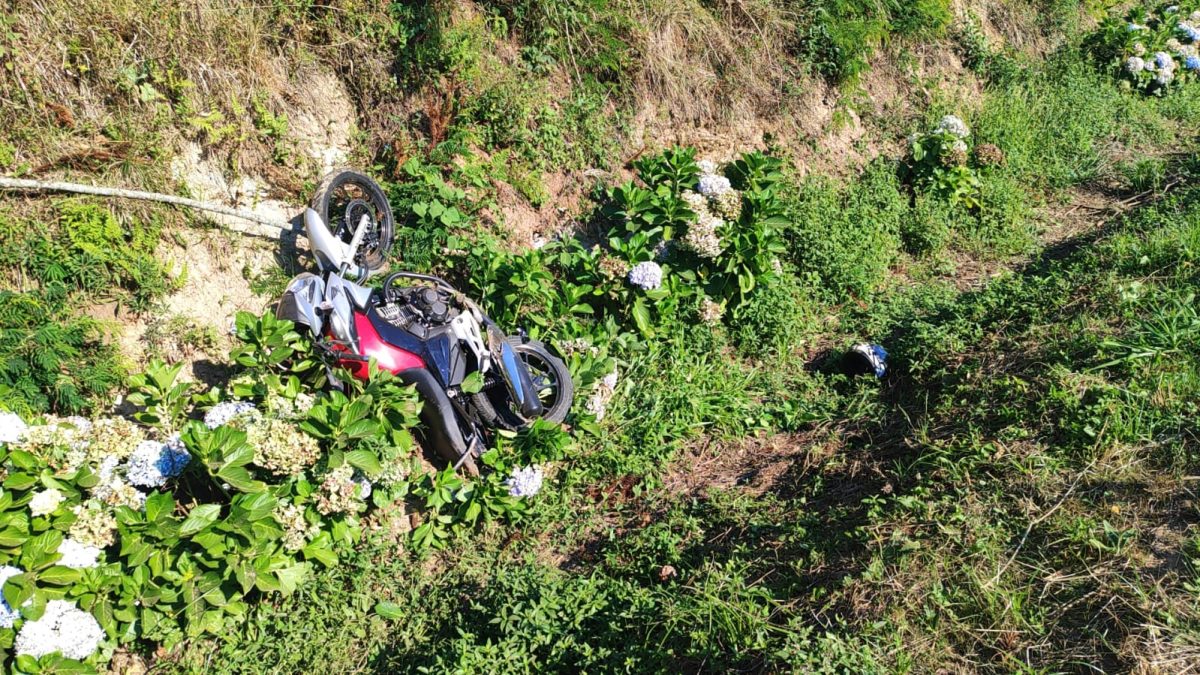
pixel 342 198
pixel 556 389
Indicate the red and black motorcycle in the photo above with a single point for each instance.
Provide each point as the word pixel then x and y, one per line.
pixel 472 377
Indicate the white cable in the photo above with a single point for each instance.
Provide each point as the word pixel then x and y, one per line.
pixel 58 186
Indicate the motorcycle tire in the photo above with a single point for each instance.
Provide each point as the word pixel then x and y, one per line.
pixel 345 193
pixel 542 365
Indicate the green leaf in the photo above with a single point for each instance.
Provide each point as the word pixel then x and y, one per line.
pixel 362 429
pixel 473 383
pixel 320 553
pixel 389 610
pixel 59 576
pixel 365 460
pixel 20 481
pixel 23 460
pixel 159 504
pixel 11 537
pixel 290 577
pixel 641 316
pixel 240 479
pixel 201 517
pixel 17 590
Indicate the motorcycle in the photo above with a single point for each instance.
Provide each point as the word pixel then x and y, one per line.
pixel 472 377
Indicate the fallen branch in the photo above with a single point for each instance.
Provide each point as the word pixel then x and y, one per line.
pixel 58 186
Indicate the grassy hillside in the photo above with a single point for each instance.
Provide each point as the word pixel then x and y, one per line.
pixel 987 190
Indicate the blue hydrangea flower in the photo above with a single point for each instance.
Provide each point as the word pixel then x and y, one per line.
pixel 222 413
pixel 152 463
pixel 525 481
pixel 1192 62
pixel 7 614
pixel 646 275
pixel 1164 60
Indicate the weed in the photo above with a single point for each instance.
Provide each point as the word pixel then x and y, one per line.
pixel 844 239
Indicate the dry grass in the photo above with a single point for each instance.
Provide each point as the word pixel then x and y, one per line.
pixel 708 66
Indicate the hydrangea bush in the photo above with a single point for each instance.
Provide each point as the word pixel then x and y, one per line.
pixel 687 242
pixel 940 161
pixel 1152 48
pixel 148 530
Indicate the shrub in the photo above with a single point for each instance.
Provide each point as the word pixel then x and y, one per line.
pixel 51 359
pixel 242 503
pixel 939 162
pixel 837 38
pixel 1151 50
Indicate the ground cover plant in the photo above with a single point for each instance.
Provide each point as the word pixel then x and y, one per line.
pixel 1014 495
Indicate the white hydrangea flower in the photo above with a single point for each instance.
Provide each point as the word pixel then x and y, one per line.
pixel 78 556
pixel 711 312
pixel 222 413
pixel 297 531
pixel 609 381
pixel 94 525
pixel 701 237
pixel 1139 49
pixel 695 201
pixel 959 145
pixel 525 481
pixel 597 403
pixel 63 628
pixel 646 275
pixel 12 428
pixel 707 166
pixel 45 502
pixel 153 463
pixel 953 125
pixel 7 614
pixel 1135 64
pixel 712 185
pixel 113 489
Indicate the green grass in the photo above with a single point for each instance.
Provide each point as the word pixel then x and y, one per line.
pixel 1013 497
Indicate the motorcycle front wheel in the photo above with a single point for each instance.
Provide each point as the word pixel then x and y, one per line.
pixel 342 198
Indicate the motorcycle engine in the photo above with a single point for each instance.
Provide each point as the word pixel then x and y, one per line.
pixel 418 310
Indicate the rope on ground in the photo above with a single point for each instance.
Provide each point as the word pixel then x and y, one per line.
pixel 58 186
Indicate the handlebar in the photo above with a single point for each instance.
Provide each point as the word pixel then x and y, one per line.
pixel 440 283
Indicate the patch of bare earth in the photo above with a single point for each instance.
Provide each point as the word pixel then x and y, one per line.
pixel 754 464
